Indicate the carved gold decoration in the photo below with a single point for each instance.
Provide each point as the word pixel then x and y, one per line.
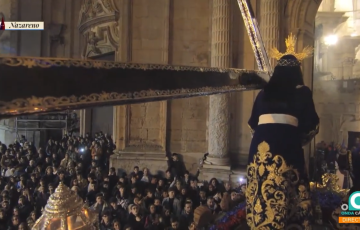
pixel 290 43
pixel 98 24
pixel 66 210
pixel 274 188
pixel 329 183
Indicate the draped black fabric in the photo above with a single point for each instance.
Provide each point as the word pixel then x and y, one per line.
pixel 22 82
pixel 33 85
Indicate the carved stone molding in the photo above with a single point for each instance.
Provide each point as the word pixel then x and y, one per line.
pixel 98 24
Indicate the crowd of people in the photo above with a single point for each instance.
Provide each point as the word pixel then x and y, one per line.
pixel 133 201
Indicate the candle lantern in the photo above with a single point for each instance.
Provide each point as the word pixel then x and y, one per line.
pixel 65 210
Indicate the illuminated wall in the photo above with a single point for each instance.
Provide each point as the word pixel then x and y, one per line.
pixel 337 69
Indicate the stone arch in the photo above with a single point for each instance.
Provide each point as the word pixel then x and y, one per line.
pixel 300 21
pixel 302 13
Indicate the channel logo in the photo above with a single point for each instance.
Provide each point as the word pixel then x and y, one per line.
pixel 21 25
pixel 350 212
pixel 354 201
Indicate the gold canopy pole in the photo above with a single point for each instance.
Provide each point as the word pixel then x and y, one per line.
pixel 253 31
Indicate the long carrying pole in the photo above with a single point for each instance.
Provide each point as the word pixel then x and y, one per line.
pixel 252 28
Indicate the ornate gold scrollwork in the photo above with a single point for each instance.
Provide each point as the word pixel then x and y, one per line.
pixel 274 193
pixel 329 183
pixel 66 207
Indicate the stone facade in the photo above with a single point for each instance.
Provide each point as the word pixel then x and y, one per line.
pixel 338 108
pixel 177 32
pixel 336 70
pixel 162 32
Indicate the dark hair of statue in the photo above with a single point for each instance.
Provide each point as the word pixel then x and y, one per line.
pixel 282 85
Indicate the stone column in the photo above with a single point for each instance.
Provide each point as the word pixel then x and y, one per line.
pixel 270 25
pixel 219 124
pixel 85 121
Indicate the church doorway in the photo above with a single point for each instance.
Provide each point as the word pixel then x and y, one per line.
pixel 352 139
pixel 102 117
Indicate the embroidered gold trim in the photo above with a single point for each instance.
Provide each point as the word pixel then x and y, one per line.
pixel 36 104
pixel 31 62
pixel 274 193
pixel 286 62
pixel 308 137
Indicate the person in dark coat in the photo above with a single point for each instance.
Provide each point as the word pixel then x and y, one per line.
pixel 175 166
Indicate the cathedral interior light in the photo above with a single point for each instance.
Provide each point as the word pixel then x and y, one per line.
pixel 331 40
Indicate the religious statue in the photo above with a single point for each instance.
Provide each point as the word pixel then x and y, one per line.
pixel 283 119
